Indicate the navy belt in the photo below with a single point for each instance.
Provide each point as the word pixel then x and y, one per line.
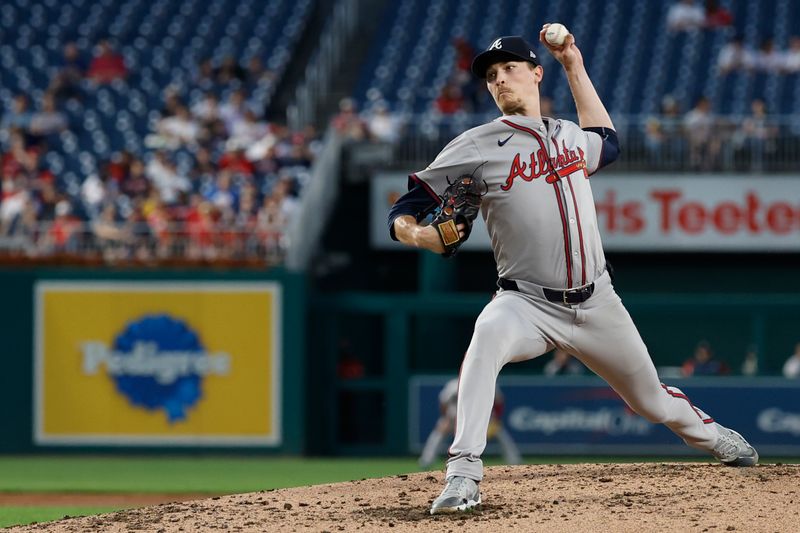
pixel 567 297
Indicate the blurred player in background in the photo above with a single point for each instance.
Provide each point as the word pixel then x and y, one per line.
pixel 446 424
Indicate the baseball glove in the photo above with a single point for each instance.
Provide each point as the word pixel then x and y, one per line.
pixel 461 202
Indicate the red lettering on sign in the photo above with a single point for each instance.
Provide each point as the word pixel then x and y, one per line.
pixel 632 215
pixel 606 208
pixel 665 199
pixel 752 208
pixel 727 218
pixel 625 217
pixel 692 217
pixel 780 218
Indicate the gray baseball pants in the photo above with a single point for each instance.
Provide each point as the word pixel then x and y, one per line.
pixel 521 325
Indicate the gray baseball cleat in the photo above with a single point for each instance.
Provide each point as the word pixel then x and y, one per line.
pixel 732 450
pixel 459 494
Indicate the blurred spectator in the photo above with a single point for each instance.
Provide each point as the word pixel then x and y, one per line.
pixel 48 120
pixel 256 72
pixel 247 208
pixel 93 194
pixel 464 54
pixel 140 238
pixel 791 368
pixel 471 88
pixel 208 115
pixel 282 193
pixel 107 64
pixel 66 83
pixel 791 57
pixel 163 174
pixel 383 125
pixel 222 194
pixel 664 138
pixel 63 233
pixel 450 100
pixel 119 166
pixel 562 363
pixel 19 116
pixel 234 159
pixel 249 130
pixel 232 110
pixel 768 58
pixel 47 198
pixel 703 362
pixel 717 16
pixel 136 185
pixel 228 71
pixel 702 131
pixel 757 136
pixel 270 225
pixel 446 425
pixel 735 56
pixel 20 156
pixel 207 109
pixel 203 77
pixel 685 15
pixel 348 123
pixel 204 169
pixel 12 201
pixel 750 362
pixel 24 228
pixel 200 227
pixel 178 130
pixel 110 234
pixel 158 223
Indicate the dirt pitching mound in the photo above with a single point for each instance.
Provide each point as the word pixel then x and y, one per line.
pixel 528 498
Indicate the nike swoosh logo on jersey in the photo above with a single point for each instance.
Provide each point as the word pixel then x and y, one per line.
pixel 501 143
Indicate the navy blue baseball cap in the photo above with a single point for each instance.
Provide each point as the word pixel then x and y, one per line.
pixel 509 48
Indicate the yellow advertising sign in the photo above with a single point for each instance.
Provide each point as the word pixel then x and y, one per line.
pixel 158 363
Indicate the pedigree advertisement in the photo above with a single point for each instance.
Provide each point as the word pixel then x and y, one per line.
pixel 640 212
pixel 152 363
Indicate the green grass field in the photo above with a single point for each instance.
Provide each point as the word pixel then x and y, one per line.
pixel 201 474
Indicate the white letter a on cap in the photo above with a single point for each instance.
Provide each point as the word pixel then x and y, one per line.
pixel 497 44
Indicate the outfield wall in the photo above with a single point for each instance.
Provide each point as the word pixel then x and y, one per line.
pixel 121 360
pixel 248 361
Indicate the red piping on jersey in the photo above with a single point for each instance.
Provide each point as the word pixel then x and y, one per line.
pixel 564 225
pixel 426 187
pixel 580 232
pixel 674 394
pixel 566 234
pixel 566 171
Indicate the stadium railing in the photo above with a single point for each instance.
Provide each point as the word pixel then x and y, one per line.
pixel 735 143
pixel 76 242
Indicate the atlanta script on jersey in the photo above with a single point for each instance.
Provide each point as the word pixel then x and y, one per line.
pixel 537 175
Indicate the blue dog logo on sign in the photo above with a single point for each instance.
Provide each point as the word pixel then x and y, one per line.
pixel 157 362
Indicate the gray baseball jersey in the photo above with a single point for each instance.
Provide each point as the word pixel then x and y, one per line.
pixel 541 219
pixel 537 172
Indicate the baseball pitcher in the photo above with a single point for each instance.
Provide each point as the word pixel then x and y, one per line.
pixel 554 290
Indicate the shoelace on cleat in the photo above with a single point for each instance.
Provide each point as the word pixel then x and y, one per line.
pixel 727 447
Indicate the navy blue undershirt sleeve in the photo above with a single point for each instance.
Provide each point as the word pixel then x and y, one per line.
pixel 417 202
pixel 611 149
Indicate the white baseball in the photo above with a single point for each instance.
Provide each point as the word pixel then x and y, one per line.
pixel 556 33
